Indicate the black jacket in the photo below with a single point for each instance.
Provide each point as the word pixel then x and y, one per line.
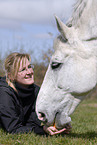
pixel 17 109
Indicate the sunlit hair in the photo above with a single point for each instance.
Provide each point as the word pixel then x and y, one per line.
pixel 12 64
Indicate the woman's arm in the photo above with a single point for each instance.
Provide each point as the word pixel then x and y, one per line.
pixel 9 117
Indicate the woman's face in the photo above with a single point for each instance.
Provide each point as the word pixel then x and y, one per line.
pixel 25 75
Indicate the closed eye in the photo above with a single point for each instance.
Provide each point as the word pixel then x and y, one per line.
pixel 55 65
pixel 23 69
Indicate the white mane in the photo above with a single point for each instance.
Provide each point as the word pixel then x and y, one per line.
pixel 84 18
pixel 77 12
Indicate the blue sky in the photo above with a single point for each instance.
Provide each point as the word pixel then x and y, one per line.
pixel 30 25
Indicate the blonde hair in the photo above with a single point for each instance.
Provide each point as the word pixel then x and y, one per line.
pixel 12 64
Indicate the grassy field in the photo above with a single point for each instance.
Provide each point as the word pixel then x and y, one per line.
pixel 84 130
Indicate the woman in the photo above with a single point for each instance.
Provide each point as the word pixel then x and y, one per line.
pixel 17 98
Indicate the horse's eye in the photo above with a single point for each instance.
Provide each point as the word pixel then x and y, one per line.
pixel 55 65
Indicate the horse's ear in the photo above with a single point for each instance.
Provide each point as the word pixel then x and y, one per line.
pixel 63 29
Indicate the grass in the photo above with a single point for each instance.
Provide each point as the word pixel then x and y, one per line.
pixel 84 130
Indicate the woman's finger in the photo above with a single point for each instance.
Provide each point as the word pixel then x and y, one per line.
pixel 60 131
pixel 53 128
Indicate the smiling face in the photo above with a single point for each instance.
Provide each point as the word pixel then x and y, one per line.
pixel 25 75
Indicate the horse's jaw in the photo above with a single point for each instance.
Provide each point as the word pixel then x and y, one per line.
pixel 58 114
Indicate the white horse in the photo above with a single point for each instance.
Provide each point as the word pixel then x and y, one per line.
pixel 72 72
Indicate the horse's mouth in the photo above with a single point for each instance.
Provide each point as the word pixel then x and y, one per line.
pixel 45 121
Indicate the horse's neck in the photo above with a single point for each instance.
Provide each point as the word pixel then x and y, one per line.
pixel 84 18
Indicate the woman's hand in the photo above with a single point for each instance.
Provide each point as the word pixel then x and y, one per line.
pixel 53 131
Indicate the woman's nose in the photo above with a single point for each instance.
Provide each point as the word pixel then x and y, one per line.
pixel 29 70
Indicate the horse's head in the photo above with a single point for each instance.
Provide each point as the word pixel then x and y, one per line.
pixel 71 75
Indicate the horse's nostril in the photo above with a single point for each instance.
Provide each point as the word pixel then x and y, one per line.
pixel 41 116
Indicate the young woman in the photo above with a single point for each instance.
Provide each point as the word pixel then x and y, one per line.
pixel 18 95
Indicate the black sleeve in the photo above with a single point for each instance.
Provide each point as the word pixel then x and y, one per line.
pixel 10 120
pixel 35 122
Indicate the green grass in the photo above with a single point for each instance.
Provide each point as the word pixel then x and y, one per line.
pixel 84 130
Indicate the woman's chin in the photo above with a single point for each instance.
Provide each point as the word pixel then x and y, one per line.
pixel 28 82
